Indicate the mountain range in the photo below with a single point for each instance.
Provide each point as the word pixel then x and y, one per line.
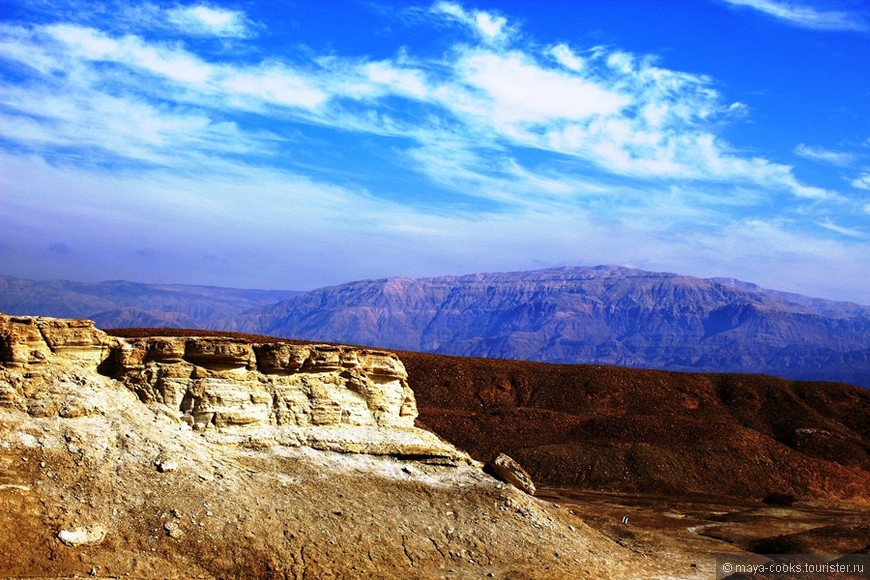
pixel 123 304
pixel 605 315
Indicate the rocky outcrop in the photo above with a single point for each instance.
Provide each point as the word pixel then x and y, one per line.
pixel 27 341
pixel 511 472
pixel 186 457
pixel 323 396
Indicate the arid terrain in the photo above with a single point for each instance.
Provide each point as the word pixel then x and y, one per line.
pixel 215 457
pixel 169 454
pixel 606 428
pixel 699 463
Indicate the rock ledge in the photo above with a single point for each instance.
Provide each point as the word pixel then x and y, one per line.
pixel 329 397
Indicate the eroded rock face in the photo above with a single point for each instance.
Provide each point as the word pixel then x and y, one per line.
pixel 25 341
pixel 330 397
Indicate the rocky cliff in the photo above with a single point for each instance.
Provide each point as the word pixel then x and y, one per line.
pixel 184 457
pixel 321 396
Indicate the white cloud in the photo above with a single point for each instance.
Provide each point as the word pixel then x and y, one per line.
pixel 396 80
pixel 489 27
pixel 566 57
pixel 615 110
pixel 273 84
pixel 824 155
pixel 862 181
pixel 466 118
pixel 516 89
pixel 805 16
pixel 92 45
pixel 620 112
pixel 120 127
pixel 828 224
pixel 206 20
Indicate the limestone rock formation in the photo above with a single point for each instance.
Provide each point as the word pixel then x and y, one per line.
pixel 214 458
pixel 323 396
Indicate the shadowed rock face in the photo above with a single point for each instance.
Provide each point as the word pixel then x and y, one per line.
pixel 323 396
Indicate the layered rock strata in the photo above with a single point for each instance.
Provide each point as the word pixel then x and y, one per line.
pixel 328 397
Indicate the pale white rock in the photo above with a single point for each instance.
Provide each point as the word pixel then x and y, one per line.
pixel 329 397
pixel 92 534
pixel 166 465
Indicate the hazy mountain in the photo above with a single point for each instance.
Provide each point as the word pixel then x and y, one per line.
pixel 119 303
pixel 606 315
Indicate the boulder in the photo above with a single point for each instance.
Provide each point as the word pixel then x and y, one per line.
pixel 511 472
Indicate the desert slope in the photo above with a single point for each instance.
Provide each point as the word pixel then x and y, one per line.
pixel 608 428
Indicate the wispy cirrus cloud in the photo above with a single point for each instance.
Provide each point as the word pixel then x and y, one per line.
pixel 488 26
pixel 862 181
pixel 805 16
pixel 574 146
pixel 205 20
pixel 614 110
pixel 823 155
pixel 828 224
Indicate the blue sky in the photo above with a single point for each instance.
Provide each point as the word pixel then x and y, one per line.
pixel 300 144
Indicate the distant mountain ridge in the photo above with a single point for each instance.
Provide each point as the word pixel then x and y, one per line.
pixel 603 314
pixel 119 304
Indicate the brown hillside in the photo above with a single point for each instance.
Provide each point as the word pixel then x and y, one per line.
pixel 598 427
pixel 610 428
